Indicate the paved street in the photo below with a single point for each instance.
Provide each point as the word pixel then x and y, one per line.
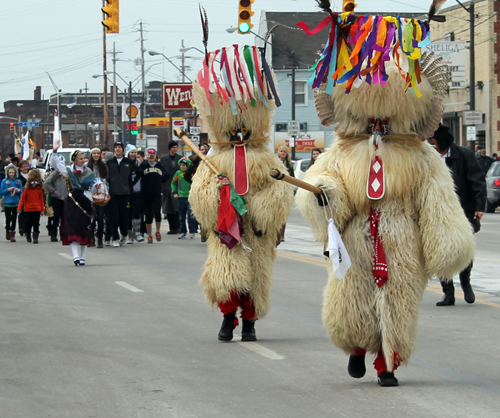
pixel 130 335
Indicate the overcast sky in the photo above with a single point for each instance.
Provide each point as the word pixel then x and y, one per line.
pixel 64 38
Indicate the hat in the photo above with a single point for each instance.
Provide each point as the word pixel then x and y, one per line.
pixel 11 167
pixel 118 143
pixel 151 152
pixel 130 147
pixel 172 144
pixel 94 149
pixel 74 155
pixel 184 160
pixel 443 137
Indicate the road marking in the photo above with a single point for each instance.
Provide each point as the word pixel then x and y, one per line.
pixel 259 349
pixel 432 287
pixel 129 287
pixel 66 256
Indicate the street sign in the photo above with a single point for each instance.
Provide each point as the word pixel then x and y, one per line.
pixel 454 55
pixel 29 124
pixel 141 136
pixel 195 138
pixel 472 117
pixel 177 123
pixel 131 112
pixel 176 96
pixel 141 142
pixel 291 141
pixel 471 133
pixel 195 130
pixel 293 127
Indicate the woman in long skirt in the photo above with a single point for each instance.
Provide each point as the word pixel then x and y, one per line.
pixel 77 217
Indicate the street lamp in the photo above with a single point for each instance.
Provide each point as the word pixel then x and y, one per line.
pixel 153 53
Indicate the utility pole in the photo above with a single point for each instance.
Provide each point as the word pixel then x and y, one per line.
pixel 130 113
pixel 293 100
pixel 86 117
pixel 115 116
pixel 104 69
pixel 143 104
pixel 182 60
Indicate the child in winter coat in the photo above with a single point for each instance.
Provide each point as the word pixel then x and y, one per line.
pixel 180 191
pixel 11 188
pixel 33 203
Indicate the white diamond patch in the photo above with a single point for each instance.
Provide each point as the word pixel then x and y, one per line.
pixel 375 185
pixel 376 167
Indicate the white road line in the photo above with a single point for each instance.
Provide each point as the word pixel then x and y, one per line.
pixel 263 351
pixel 66 256
pixel 129 287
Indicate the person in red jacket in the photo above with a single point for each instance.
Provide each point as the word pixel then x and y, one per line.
pixel 33 204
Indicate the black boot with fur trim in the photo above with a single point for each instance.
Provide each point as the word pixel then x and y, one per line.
pixel 356 366
pixel 226 330
pixel 248 330
pixel 387 379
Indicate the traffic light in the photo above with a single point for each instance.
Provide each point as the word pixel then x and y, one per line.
pixel 349 6
pixel 12 126
pixel 112 12
pixel 245 16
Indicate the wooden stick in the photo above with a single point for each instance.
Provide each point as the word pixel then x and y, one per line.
pixel 183 136
pixel 296 182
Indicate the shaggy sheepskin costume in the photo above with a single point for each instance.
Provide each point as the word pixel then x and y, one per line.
pixel 417 222
pixel 241 276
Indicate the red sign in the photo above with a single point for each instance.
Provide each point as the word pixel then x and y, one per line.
pixel 177 96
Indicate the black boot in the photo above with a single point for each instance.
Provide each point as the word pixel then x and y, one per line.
pixel 171 225
pixel 226 330
pixel 387 379
pixel 449 294
pixel 466 287
pixel 53 234
pixel 356 366
pixel 28 236
pixel 248 330
pixel 35 237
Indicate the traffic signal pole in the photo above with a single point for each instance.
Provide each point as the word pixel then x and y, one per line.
pixel 105 78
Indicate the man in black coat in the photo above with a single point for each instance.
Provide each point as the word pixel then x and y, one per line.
pixel 471 190
pixel 169 203
pixel 120 170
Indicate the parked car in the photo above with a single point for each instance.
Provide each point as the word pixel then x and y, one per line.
pixel 299 169
pixel 493 187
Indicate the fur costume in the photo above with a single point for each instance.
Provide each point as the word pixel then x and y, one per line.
pixel 246 268
pixel 422 227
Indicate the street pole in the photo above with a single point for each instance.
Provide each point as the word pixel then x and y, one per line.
pixel 472 59
pixel 143 107
pixel 293 100
pixel 104 69
pixel 130 113
pixel 86 117
pixel 115 116
pixel 182 61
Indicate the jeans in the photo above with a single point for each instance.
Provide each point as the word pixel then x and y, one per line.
pixel 10 218
pixel 185 210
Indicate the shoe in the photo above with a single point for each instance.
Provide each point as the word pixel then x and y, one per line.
pixel 7 234
pixel 446 301
pixel 28 237
pixel 356 366
pixel 226 330
pixel 82 261
pixel 53 239
pixel 76 261
pixel 99 243
pixel 108 243
pixel 191 236
pixel 158 237
pixel 387 379
pixel 203 239
pixel 182 236
pixel 150 239
pixel 122 241
pixel 116 243
pixel 12 236
pixel 35 238
pixel 21 232
pixel 139 237
pixel 248 331
pixel 469 296
pixel 172 232
pixel 130 241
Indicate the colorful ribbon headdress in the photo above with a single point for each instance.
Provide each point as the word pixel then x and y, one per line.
pixel 359 46
pixel 240 75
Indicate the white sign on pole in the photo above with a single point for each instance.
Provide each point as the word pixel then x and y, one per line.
pixel 471 133
pixel 292 141
pixel 177 123
pixel 293 127
pixel 131 112
pixel 141 142
pixel 195 130
pixel 195 138
pixel 472 117
pixel 455 57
